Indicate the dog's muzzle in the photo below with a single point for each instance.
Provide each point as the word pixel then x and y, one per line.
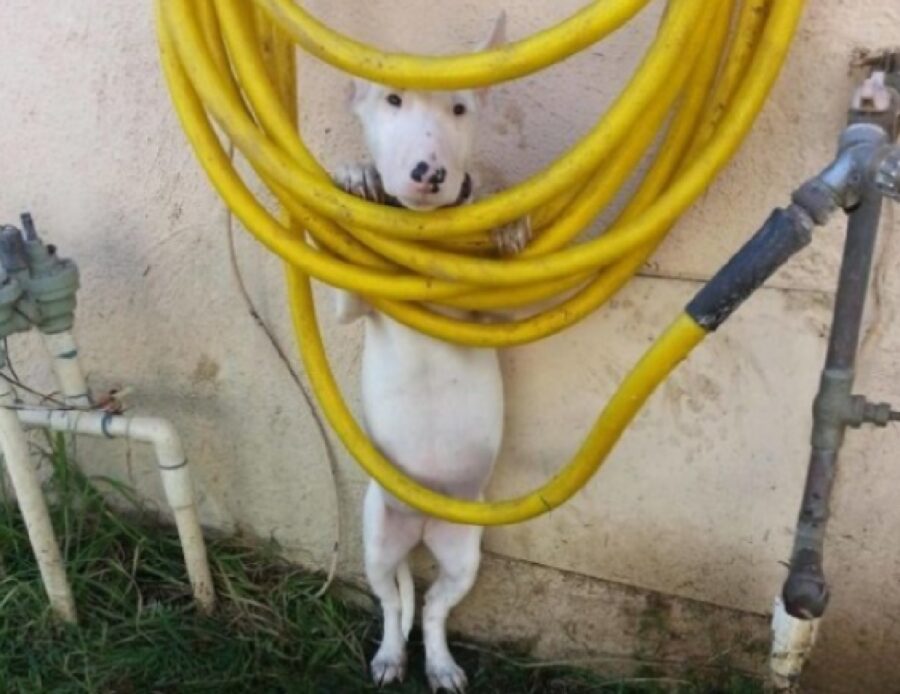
pixel 465 193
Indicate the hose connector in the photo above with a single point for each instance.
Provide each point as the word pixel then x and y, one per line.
pixel 842 182
pixel 784 233
pixel 840 185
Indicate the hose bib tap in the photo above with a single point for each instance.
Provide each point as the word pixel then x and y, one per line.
pixel 866 171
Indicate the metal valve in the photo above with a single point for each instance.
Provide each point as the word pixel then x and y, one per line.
pixel 887 174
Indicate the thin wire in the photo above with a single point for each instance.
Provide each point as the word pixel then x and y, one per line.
pixel 43 396
pixel 295 377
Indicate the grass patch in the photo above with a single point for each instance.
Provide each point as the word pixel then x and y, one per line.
pixel 140 633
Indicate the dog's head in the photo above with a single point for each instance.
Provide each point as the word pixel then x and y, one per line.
pixel 422 142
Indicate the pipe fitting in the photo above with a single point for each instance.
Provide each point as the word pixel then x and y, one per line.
pixel 841 183
pixel 864 156
pixel 792 643
pixel 52 283
pixel 887 173
pixel 37 287
pixel 173 467
pixel 835 408
pixel 11 320
pixel 861 411
pixel 805 593
pixel 52 286
pixel 832 408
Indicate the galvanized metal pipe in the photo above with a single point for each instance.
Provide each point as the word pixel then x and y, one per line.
pixel 805 592
pixel 859 248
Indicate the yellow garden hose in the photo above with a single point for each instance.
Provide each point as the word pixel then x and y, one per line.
pixel 582 29
pixel 232 61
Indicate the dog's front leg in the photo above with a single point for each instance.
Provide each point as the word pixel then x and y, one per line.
pixel 360 179
pixel 363 181
pixel 511 239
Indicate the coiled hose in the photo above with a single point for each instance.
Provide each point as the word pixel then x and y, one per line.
pixel 232 62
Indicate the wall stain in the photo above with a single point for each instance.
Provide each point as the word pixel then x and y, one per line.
pixel 206 370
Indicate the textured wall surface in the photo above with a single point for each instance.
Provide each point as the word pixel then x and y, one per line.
pixel 695 508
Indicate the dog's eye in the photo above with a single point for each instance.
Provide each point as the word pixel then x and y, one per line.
pixel 459 109
pixel 394 100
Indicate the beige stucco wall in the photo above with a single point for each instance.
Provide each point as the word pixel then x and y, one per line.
pixel 699 499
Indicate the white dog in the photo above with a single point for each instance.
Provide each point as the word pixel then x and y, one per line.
pixel 433 408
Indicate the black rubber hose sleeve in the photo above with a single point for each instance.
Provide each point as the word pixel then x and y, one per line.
pixel 785 232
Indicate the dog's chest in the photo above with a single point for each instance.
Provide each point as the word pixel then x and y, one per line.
pixel 430 405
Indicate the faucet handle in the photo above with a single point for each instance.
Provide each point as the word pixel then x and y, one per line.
pixel 873 95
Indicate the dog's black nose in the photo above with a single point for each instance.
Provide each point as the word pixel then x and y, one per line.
pixel 438 176
pixel 418 173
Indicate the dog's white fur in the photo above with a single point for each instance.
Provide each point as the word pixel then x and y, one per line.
pixel 434 409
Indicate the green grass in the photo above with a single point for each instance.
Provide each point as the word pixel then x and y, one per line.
pixel 139 631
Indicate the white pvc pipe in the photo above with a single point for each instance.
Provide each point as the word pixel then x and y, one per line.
pixel 173 467
pixel 31 502
pixel 67 367
pixel 792 643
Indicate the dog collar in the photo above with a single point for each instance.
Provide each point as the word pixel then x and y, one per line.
pixel 465 192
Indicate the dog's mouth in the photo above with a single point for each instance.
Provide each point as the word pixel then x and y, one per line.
pixel 422 203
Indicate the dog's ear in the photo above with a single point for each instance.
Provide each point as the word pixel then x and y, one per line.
pixel 349 307
pixel 357 89
pixel 495 39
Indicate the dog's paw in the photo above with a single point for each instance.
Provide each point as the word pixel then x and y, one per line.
pixel 445 674
pixel 361 180
pixel 512 238
pixel 388 666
